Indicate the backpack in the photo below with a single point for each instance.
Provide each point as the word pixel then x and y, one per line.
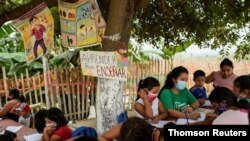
pixel 85 131
pixel 122 117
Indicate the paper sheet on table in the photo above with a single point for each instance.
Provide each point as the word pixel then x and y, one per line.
pixel 1 133
pixel 183 121
pixel 14 129
pixel 160 124
pixel 207 103
pixel 33 137
pixel 204 110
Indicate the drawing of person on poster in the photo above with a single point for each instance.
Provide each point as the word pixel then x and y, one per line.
pixel 122 54
pixel 37 30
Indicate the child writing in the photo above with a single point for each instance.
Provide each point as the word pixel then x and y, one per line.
pixel 198 90
pixel 242 90
pixel 24 112
pixel 241 87
pixel 147 104
pixel 228 110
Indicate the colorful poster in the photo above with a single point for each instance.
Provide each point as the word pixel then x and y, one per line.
pixel 37 30
pixel 83 21
pixel 110 65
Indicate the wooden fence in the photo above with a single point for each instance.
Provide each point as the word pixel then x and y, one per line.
pixel 72 92
pixel 69 90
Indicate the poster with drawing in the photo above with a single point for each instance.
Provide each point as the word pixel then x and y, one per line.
pixel 37 30
pixel 104 64
pixel 82 24
pixel 122 54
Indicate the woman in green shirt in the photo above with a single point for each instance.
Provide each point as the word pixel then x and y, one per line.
pixel 176 98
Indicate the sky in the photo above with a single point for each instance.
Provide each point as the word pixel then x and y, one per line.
pixel 193 51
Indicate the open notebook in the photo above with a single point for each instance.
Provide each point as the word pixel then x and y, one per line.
pixel 204 110
pixel 207 103
pixel 183 121
pixel 33 137
pixel 14 129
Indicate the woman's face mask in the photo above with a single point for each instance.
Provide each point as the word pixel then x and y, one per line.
pixel 152 96
pixel 180 85
pixel 50 123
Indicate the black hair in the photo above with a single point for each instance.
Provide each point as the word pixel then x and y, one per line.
pixel 223 95
pixel 175 73
pixel 57 116
pixel 199 73
pixel 10 134
pixel 135 129
pixel 243 104
pixel 85 138
pixel 16 95
pixel 5 137
pixel 40 120
pixel 242 82
pixel 226 62
pixel 147 83
pixel 32 18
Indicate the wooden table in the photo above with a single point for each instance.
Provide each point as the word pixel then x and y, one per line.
pixel 23 131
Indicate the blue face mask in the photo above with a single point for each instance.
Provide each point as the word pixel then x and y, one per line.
pixel 181 85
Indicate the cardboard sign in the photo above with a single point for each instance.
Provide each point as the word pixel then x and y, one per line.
pixel 82 24
pixel 104 64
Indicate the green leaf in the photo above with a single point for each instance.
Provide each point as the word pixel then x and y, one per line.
pixel 18 56
pixel 36 65
pixel 15 68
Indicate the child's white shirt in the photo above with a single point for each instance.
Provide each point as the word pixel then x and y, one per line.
pixel 154 106
pixel 25 121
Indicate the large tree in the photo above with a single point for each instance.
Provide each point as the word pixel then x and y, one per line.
pixel 210 24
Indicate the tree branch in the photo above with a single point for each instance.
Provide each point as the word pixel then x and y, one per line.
pixel 139 4
pixel 166 10
pixel 19 11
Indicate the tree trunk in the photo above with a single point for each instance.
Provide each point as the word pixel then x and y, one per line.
pixel 109 100
pixel 19 11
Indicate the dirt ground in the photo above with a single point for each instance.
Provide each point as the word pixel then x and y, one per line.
pixel 92 122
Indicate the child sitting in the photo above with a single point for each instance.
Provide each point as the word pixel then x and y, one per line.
pixel 24 112
pixel 147 105
pixel 228 110
pixel 198 90
pixel 242 90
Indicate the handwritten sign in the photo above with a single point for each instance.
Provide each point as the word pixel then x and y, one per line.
pixel 104 64
pixel 82 24
pixel 37 30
